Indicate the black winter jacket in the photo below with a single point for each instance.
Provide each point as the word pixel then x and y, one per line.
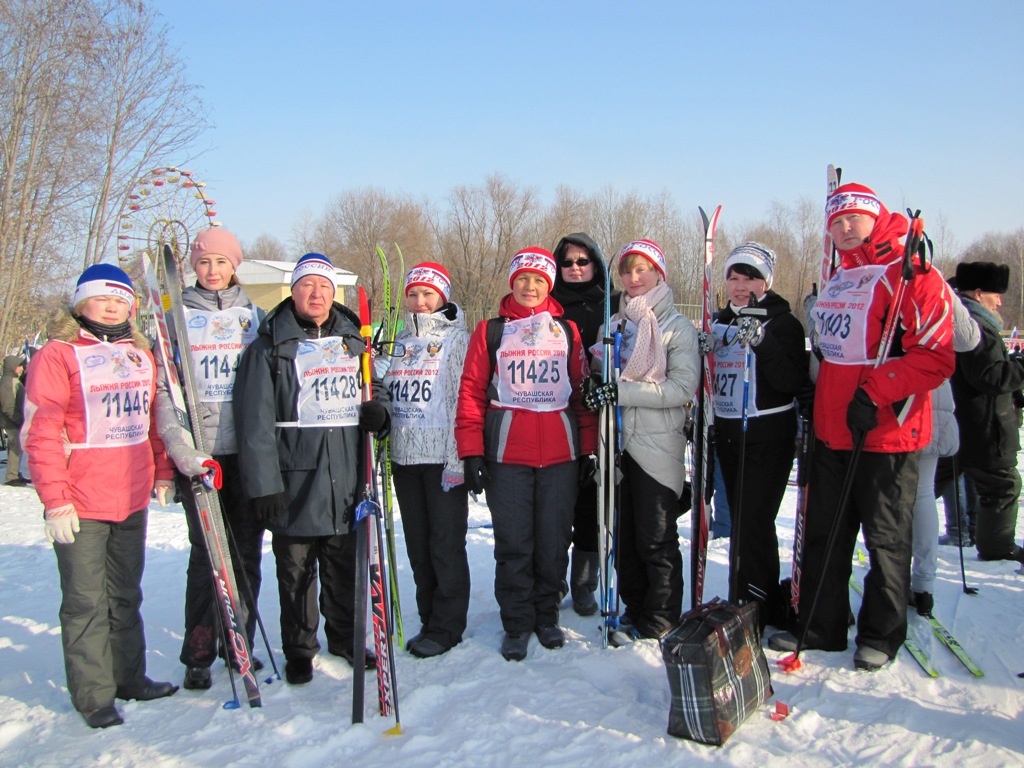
pixel 321 470
pixel 984 382
pixel 583 302
pixel 782 367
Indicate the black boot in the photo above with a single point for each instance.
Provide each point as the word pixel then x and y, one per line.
pixel 583 581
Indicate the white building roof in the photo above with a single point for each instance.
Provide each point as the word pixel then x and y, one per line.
pixel 260 272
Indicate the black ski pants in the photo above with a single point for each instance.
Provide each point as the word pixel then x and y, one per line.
pixel 531 508
pixel 754 545
pixel 435 523
pixel 649 562
pixel 203 630
pixel 882 503
pixel 299 558
pixel 996 525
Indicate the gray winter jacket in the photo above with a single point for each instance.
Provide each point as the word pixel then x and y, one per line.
pixel 321 470
pixel 654 415
pixel 411 445
pixel 217 418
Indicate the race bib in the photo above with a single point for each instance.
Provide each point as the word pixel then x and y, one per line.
pixel 532 365
pixel 217 340
pixel 728 382
pixel 841 314
pixel 116 383
pixel 329 389
pixel 416 384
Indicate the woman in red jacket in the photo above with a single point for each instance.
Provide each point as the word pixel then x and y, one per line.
pixel 93 458
pixel 521 426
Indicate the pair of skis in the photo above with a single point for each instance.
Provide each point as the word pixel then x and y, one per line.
pixel 938 628
pixel 385 345
pixel 371 565
pixel 703 432
pixel 164 284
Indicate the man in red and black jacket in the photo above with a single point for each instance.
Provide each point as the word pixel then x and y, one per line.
pixel 887 406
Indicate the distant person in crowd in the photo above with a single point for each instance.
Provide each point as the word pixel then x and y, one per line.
pixel 299 421
pixel 423 382
pixel 94 458
pixel 984 384
pixel 219 313
pixel 580 289
pixel 660 370
pixel 522 430
pixel 12 415
pixel 882 408
pixel 756 425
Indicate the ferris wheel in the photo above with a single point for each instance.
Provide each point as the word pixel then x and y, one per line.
pixel 167 206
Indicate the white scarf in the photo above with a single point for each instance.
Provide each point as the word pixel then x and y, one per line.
pixel 647 360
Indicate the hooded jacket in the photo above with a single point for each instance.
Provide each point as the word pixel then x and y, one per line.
pixel 433 445
pixel 515 435
pixel 217 417
pixel 583 303
pixel 105 484
pixel 321 470
pixel 920 358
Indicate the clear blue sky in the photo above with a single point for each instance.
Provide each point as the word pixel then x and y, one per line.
pixel 717 102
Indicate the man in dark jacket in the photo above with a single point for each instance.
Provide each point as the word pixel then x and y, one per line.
pixel 984 384
pixel 300 422
pixel 12 414
pixel 579 288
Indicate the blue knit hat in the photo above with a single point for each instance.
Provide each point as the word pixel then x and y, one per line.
pixel 315 264
pixel 104 280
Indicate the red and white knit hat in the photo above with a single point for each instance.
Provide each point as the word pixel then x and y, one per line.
pixel 852 198
pixel 534 259
pixel 650 250
pixel 315 264
pixel 431 275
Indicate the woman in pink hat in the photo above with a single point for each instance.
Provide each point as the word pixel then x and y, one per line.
pixel 222 322
pixel 520 428
pixel 429 481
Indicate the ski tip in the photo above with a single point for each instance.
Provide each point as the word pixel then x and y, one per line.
pixel 396 731
pixel 790 664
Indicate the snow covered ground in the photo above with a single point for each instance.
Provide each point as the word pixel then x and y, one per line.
pixel 576 706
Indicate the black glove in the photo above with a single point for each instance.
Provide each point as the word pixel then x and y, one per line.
pixel 372 416
pixel 805 397
pixel 749 331
pixel 476 473
pixel 861 414
pixel 271 511
pixel 588 469
pixel 601 394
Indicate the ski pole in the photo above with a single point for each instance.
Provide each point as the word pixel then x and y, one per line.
pixel 959 527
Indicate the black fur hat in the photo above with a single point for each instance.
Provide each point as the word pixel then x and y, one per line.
pixel 982 275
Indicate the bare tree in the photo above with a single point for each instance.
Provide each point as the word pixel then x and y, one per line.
pixel 89 95
pixel 266 248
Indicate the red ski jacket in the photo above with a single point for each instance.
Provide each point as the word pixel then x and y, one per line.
pixel 513 435
pixel 920 359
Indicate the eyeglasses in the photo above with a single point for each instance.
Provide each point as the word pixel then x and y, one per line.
pixel 569 263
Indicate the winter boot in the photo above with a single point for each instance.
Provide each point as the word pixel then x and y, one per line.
pixel 514 645
pixel 869 659
pixel 583 581
pixel 924 602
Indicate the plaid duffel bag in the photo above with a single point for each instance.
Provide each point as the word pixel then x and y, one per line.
pixel 716 669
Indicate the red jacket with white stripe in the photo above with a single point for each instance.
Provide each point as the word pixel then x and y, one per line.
pixel 921 357
pixel 105 484
pixel 515 435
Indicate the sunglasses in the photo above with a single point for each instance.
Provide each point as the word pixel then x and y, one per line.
pixel 568 263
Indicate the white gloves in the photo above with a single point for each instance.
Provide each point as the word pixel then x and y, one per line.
pixel 61 524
